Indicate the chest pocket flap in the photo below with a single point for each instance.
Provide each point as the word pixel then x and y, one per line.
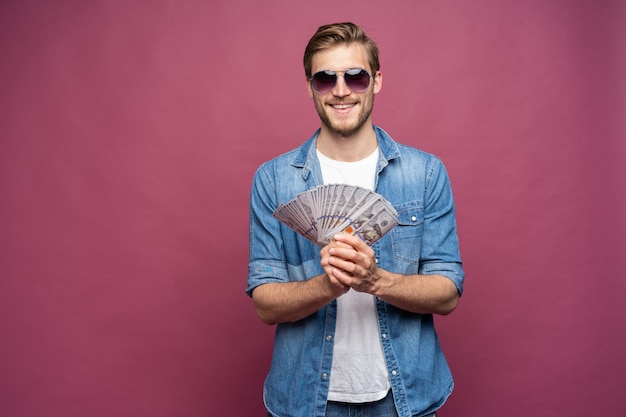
pixel 407 235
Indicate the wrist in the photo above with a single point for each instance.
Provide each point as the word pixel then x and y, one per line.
pixel 384 282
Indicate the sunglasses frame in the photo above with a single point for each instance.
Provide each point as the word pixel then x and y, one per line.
pixel 346 81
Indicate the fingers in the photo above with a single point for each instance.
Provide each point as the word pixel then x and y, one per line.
pixel 350 259
pixel 336 279
pixel 355 242
pixel 350 262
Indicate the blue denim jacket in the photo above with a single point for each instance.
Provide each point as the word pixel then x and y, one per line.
pixel 424 242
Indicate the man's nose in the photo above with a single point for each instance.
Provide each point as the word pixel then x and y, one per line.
pixel 341 88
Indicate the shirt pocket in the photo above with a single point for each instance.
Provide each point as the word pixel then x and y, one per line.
pixel 406 237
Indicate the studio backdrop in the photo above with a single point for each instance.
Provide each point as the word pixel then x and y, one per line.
pixel 129 134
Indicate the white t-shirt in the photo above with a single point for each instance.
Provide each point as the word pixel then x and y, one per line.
pixel 358 373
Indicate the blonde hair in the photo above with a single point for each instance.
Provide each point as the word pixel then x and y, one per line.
pixel 329 36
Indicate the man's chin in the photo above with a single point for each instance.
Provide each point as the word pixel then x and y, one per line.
pixel 344 130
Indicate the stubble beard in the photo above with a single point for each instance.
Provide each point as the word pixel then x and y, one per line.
pixel 344 129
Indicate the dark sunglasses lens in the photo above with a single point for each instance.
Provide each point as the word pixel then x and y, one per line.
pixel 324 81
pixel 358 80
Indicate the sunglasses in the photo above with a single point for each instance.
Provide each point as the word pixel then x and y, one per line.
pixel 356 79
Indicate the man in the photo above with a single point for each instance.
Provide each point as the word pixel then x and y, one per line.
pixel 354 323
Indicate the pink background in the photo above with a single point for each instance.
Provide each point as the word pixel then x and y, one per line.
pixel 129 133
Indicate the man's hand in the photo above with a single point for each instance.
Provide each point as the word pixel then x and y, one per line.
pixel 350 262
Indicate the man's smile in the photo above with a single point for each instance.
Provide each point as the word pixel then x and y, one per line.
pixel 343 107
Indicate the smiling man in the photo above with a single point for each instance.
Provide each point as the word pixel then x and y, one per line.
pixel 354 323
pixel 343 113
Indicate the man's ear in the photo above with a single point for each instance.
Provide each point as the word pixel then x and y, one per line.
pixel 378 81
pixel 308 88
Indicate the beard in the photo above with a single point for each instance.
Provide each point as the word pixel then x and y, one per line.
pixel 347 128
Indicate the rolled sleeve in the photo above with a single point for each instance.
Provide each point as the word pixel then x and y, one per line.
pixel 266 263
pixel 440 251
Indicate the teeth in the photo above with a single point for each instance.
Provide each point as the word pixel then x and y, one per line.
pixel 342 106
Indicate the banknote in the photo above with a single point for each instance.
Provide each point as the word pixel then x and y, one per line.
pixel 320 213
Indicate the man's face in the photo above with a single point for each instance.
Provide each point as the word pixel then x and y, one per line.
pixel 343 111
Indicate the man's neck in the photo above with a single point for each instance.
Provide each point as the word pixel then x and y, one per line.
pixel 347 148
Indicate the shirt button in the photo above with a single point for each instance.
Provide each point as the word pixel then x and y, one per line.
pixel 329 337
pixel 376 260
pixel 413 218
pixel 324 375
pixel 384 335
pixel 394 372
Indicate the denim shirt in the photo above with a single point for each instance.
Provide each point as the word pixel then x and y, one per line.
pixel 424 242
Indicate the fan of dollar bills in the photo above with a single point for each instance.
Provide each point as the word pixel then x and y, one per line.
pixel 322 212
